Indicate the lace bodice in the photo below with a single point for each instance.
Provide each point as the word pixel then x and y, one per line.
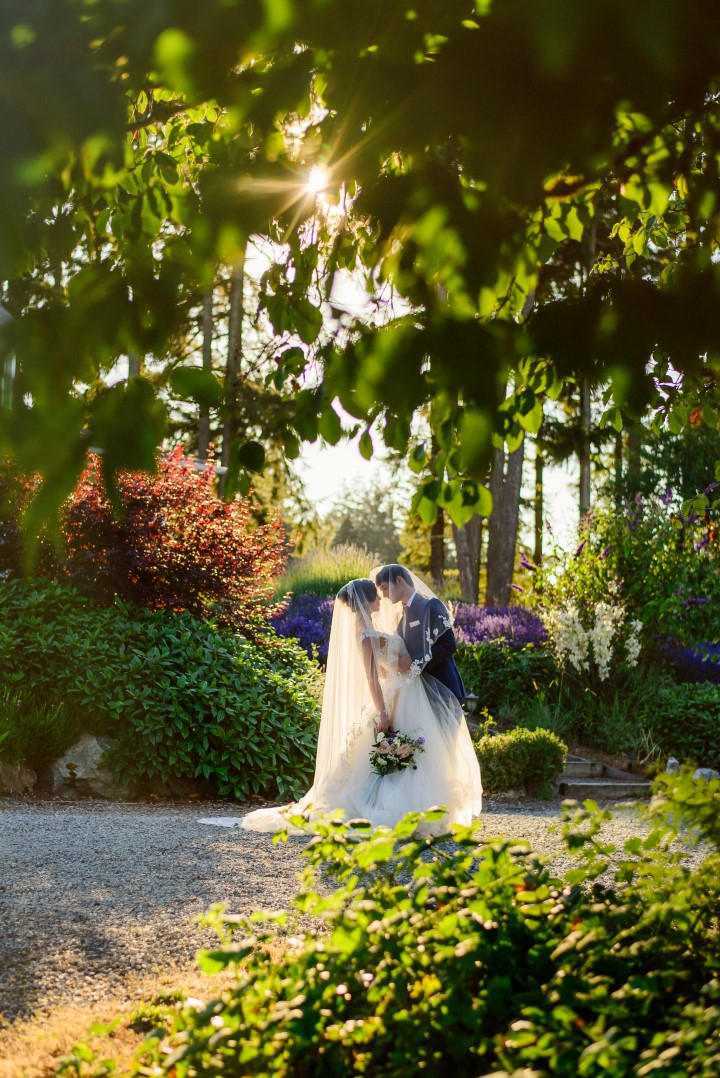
pixel 389 649
pixel 390 646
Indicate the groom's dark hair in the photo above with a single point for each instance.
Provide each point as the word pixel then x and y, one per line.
pixel 390 573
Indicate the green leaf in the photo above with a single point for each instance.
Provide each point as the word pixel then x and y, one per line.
pixel 555 386
pixel 127 424
pixel 215 961
pixel 174 53
pixel 195 383
pixel 251 455
pixel 291 445
pixel 365 445
pixel 293 360
pixel 427 510
pixel 483 502
pixel 573 224
pixel 418 459
pixel 345 940
pixel 555 229
pixel 329 426
pixel 307 319
pixel 474 440
pixel 278 309
pixel 532 420
pixel 634 190
pixel 375 851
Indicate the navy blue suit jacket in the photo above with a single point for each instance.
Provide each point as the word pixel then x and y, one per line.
pixel 441 664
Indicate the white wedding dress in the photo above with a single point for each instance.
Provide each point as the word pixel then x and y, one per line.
pixel 446 773
pixel 365 655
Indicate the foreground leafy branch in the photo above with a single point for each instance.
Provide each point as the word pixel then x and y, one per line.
pixel 450 955
pixel 541 202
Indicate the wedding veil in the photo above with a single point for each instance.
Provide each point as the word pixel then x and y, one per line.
pixel 360 652
pixel 348 709
pixel 361 620
pixel 347 704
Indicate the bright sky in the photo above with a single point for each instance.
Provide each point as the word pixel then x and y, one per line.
pixel 329 470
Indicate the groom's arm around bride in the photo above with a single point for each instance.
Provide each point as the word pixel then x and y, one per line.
pixel 441 664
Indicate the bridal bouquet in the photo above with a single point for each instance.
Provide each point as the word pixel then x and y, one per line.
pixel 394 751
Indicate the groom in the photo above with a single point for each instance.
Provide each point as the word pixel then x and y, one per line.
pixel 395 583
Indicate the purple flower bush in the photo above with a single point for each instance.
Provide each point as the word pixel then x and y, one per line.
pixel 691 663
pixel 307 618
pixel 513 625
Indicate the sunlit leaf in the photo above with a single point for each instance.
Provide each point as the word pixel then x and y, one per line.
pixel 365 445
pixel 329 426
pixel 194 383
pixel 251 455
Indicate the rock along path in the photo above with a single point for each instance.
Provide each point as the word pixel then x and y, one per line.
pixel 92 893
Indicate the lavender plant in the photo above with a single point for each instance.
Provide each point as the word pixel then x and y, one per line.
pixel 514 625
pixel 308 616
pixel 307 619
pixel 692 663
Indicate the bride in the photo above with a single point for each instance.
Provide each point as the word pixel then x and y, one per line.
pixel 373 684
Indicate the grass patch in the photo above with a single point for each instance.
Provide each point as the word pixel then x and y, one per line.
pixel 325 571
pixel 33 731
pixel 34 1047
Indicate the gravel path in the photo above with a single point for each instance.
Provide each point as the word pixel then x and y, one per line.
pixel 92 892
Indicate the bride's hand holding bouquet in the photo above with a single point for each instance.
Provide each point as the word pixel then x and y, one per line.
pixel 382 722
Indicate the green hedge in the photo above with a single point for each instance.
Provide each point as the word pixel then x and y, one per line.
pixel 684 721
pixel 528 760
pixel 499 674
pixel 467 959
pixel 183 698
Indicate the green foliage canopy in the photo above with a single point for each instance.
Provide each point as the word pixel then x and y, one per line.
pixel 469 141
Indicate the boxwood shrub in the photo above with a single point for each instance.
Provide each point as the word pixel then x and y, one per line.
pixel 183 698
pixel 523 760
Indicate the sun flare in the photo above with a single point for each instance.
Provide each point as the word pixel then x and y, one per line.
pixel 318 180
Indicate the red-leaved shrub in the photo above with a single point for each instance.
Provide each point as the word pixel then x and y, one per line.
pixel 17 490
pixel 175 545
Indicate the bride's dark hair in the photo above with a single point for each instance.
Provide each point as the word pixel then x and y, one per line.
pixel 357 593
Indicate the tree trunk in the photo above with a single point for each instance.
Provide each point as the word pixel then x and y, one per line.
pixel 232 368
pixel 204 417
pixel 634 442
pixel 437 550
pixel 585 422
pixel 539 500
pixel 437 536
pixel 618 461
pixel 468 544
pixel 505 482
pixel 134 365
